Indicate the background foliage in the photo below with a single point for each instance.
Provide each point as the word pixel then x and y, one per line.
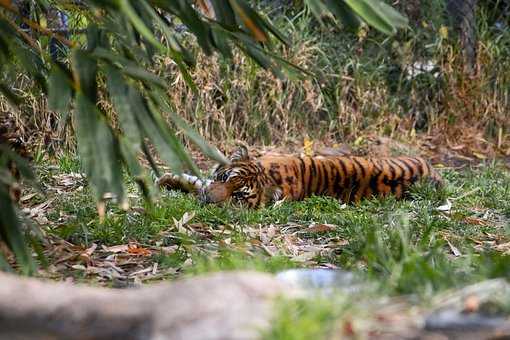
pixel 113 66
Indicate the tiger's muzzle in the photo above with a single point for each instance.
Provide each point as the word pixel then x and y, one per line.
pixel 216 192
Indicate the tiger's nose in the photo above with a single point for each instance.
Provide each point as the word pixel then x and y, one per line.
pixel 216 192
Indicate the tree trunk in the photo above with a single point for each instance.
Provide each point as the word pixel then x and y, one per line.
pixel 463 17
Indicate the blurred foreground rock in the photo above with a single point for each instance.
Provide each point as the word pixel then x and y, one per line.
pixel 240 305
pixel 218 306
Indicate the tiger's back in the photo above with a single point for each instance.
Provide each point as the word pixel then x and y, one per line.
pixel 347 178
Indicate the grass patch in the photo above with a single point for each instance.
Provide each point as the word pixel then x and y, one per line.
pixel 435 239
pixel 304 319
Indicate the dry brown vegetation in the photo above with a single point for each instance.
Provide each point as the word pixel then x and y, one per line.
pixel 358 93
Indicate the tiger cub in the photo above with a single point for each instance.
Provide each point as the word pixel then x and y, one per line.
pixel 256 182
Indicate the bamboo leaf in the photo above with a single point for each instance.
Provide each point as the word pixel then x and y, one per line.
pixel 128 67
pixel 11 233
pixel 60 89
pixel 249 20
pixel 137 22
pixel 196 138
pixel 119 90
pixel 317 8
pixel 391 15
pixel 342 11
pixel 154 132
pixel 366 10
pixel 224 12
pixel 98 149
pixel 172 140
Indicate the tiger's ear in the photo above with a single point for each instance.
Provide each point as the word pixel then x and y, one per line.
pixel 240 154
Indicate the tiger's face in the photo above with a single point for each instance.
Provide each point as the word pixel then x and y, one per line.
pixel 243 181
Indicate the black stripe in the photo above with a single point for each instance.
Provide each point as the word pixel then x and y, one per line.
pixel 408 171
pixel 313 174
pixel 392 161
pixel 414 172
pixel 319 165
pixel 302 166
pixel 374 180
pixel 337 182
pixel 259 199
pixel 345 176
pixel 334 173
pixel 418 165
pixel 327 170
pixel 391 181
pixel 355 181
pixel 363 170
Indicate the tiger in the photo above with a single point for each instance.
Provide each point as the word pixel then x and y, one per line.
pixel 257 182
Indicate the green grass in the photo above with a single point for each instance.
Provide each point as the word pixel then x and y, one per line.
pixel 402 247
pixel 305 319
pixel 401 244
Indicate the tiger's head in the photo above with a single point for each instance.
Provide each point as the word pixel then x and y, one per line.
pixel 242 181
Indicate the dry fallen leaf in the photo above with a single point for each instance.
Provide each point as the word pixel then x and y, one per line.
pixel 503 247
pixel 320 228
pixel 27 197
pixel 179 224
pixel 476 221
pixel 86 256
pixel 134 249
pixel 121 248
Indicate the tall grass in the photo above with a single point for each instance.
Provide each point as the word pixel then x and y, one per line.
pixel 360 86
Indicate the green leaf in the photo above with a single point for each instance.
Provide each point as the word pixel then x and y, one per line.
pixel 250 20
pixel 98 149
pixel 172 140
pixel 129 154
pixel 119 91
pixel 128 67
pixel 21 163
pixel 85 72
pixel 391 15
pixel 154 132
pixel 176 51
pixel 266 59
pixel 32 63
pixel 137 22
pixel 251 17
pixel 317 8
pixel 221 42
pixel 368 11
pixel 196 138
pixel 189 17
pixel 224 13
pixel 11 233
pixel 344 13
pixel 4 265
pixel 60 91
